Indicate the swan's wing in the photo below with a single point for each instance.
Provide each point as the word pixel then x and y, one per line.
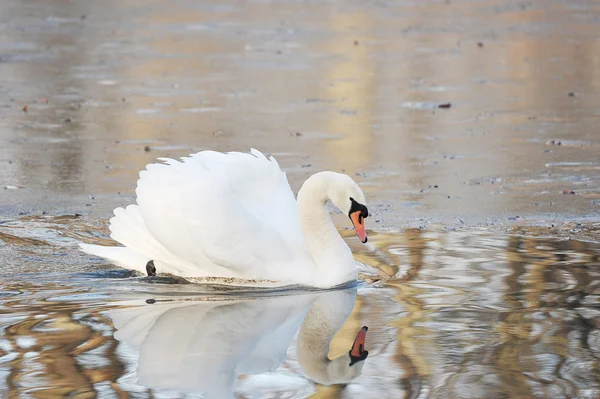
pixel 236 210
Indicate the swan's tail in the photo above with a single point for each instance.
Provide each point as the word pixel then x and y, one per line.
pixel 120 256
pixel 129 229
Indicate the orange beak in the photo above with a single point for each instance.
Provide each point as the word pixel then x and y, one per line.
pixel 358 352
pixel 359 225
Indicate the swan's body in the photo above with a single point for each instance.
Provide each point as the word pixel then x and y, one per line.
pixel 234 216
pixel 202 346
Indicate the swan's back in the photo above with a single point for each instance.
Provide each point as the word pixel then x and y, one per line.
pixel 213 214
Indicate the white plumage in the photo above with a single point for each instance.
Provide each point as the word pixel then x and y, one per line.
pixel 232 215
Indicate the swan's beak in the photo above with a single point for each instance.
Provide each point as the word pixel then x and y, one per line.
pixel 359 225
pixel 358 352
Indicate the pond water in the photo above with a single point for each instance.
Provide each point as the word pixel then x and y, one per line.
pixel 451 314
pixel 471 127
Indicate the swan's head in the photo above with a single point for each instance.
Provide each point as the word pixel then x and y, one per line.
pixel 350 199
pixel 347 367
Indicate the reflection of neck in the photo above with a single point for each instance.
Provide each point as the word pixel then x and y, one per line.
pixel 325 317
pixel 332 257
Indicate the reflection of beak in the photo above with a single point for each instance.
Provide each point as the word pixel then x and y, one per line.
pixel 359 225
pixel 358 347
pixel 358 352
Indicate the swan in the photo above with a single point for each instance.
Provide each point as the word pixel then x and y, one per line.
pixel 233 216
pixel 202 346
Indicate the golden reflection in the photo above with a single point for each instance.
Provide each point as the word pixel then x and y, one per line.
pixel 537 279
pixel 328 392
pixel 514 327
pixel 47 342
pixel 476 313
pixel 411 337
pixel 351 82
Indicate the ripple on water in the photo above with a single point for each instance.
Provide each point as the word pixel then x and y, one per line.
pixel 451 315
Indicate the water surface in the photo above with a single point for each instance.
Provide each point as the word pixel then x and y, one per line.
pixel 478 300
pixel 451 314
pixel 349 86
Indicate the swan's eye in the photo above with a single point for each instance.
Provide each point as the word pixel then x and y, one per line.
pixel 357 207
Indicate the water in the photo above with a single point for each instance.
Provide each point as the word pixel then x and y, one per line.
pixel 480 278
pixel 348 86
pixel 451 314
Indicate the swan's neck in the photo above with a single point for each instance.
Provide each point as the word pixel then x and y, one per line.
pixel 332 257
pixel 325 317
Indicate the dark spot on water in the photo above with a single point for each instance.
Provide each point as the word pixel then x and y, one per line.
pixel 113 273
pixel 164 279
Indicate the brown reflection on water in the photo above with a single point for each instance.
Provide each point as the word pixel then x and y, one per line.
pixel 359 82
pixel 518 321
pixel 453 315
pixel 407 353
pixel 57 348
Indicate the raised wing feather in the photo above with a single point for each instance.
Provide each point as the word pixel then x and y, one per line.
pixel 231 214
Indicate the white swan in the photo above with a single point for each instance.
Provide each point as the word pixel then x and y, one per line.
pixel 233 215
pixel 201 346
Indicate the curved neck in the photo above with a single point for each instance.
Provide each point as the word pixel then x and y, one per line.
pixel 331 256
pixel 326 316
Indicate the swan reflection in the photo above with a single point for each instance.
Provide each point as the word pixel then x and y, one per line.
pixel 202 346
